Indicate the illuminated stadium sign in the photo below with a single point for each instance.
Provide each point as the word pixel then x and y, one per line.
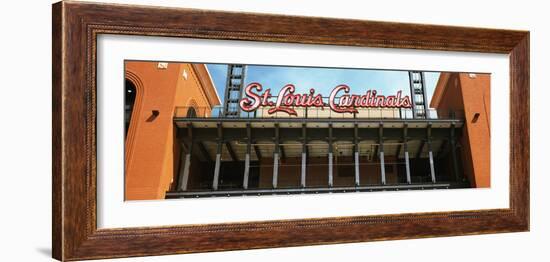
pixel 340 100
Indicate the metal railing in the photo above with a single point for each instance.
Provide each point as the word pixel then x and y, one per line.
pixel 312 190
pixel 318 113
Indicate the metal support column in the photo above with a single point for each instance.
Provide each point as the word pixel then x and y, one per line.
pixel 430 153
pixel 304 156
pixel 453 152
pixel 186 158
pixel 276 157
pixel 247 156
pixel 330 164
pixel 356 153
pixel 218 158
pixel 406 150
pixel 381 153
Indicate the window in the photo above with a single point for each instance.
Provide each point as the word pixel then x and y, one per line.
pixel 129 99
pixel 191 112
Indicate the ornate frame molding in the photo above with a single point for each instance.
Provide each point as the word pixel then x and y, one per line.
pixel 76 26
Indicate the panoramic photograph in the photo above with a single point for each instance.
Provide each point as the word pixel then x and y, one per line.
pixel 234 130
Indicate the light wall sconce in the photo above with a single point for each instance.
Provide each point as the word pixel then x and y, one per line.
pixel 476 117
pixel 184 74
pixel 162 65
pixel 154 115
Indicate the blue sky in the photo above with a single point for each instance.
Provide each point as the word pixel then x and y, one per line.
pixel 386 82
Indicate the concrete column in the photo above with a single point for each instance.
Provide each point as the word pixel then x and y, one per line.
pixel 246 170
pixel 357 175
pixel 304 155
pixel 382 166
pixel 276 157
pixel 330 166
pixel 356 154
pixel 184 172
pixel 217 166
pixel 381 154
pixel 430 153
pixel 275 169
pixel 247 156
pixel 186 160
pixel 407 163
pixel 303 175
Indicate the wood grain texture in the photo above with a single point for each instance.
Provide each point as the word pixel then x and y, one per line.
pixel 57 195
pixel 76 26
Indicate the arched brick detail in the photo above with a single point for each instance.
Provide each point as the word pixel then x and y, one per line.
pixel 140 89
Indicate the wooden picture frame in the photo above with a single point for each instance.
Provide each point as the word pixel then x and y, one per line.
pixel 76 26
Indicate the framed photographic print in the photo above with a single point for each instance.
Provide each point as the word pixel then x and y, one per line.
pixel 182 130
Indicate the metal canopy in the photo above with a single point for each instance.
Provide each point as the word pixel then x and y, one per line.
pixel 314 123
pixel 279 143
pixel 291 140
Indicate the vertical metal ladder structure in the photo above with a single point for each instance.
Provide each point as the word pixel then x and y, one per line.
pixel 233 90
pixel 418 95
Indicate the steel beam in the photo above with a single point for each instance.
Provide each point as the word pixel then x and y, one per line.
pixel 258 152
pixel 204 152
pixel 356 153
pixel 231 151
pixel 304 156
pixel 381 153
pixel 357 173
pixel 406 152
pixel 397 151
pixel 430 153
pixel 218 158
pixel 247 156
pixel 330 164
pixel 420 149
pixel 406 149
pixel 276 157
